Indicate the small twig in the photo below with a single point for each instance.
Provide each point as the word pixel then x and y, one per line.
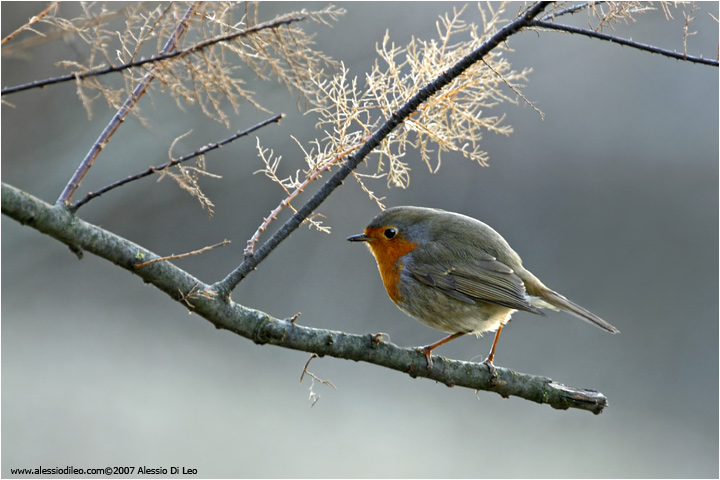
pixel 159 58
pixel 30 22
pixel 197 153
pixel 196 293
pixel 570 10
pixel 312 375
pixel 305 370
pixel 120 115
pixel 622 41
pixel 78 24
pixel 377 338
pixel 686 32
pixel 249 250
pixel 313 396
pixel 184 298
pixel 517 92
pixel 182 255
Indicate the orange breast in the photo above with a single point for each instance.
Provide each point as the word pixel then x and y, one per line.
pixel 387 253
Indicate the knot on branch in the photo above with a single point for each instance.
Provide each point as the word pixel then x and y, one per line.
pixel 266 331
pixel 377 338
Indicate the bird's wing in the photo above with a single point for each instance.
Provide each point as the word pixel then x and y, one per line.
pixel 482 278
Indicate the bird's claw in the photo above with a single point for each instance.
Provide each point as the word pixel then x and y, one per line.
pixel 428 356
pixel 491 367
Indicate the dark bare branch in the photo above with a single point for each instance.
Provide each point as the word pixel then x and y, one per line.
pixel 159 58
pixel 624 42
pixel 184 158
pixel 120 115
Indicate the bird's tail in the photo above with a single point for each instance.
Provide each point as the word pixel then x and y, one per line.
pixel 557 302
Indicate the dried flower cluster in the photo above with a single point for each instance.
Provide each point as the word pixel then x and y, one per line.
pixel 451 121
pixel 210 74
pixel 217 53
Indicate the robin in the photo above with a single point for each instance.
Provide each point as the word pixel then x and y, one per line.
pixel 456 274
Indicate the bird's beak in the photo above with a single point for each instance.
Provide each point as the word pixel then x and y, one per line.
pixel 359 238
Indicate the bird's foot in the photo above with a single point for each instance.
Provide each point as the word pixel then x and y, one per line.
pixel 427 351
pixel 491 367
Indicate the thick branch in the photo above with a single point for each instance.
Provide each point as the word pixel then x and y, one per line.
pixel 58 222
pixel 251 261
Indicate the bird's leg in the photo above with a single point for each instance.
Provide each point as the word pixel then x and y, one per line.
pixel 427 349
pixel 491 356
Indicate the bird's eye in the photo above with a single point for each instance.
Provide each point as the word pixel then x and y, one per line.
pixel 390 233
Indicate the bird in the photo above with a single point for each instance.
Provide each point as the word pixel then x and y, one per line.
pixel 456 274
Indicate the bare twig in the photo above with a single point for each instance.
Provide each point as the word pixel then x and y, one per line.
pixel 182 255
pixel 686 28
pixel 119 117
pixel 273 215
pixel 197 153
pixel 30 22
pixel 309 373
pixel 164 56
pixel 58 33
pixel 314 397
pixel 570 10
pixel 302 375
pixel 225 286
pixel 622 41
pixel 517 91
pixel 198 290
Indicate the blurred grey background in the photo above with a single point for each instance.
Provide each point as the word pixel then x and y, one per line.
pixel 612 200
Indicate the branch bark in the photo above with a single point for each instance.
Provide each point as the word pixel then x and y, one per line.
pixel 58 222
